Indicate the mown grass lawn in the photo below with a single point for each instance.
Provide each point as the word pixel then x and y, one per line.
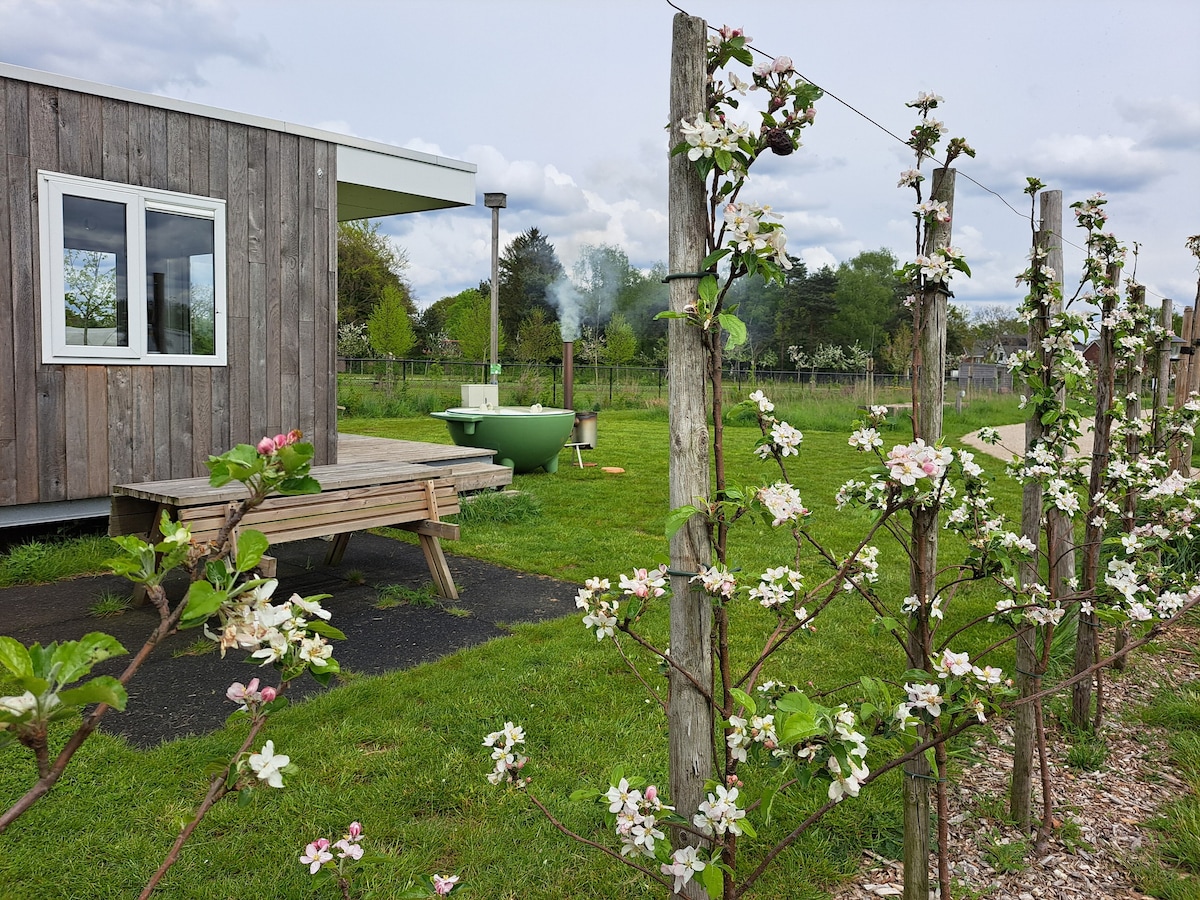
pixel 402 753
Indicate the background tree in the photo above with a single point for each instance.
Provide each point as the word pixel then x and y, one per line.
pixel 869 300
pixel 990 324
pixel 605 279
pixel 620 343
pixel 368 262
pixel 468 321
pixel 538 338
pixel 528 266
pixel 805 307
pixel 390 328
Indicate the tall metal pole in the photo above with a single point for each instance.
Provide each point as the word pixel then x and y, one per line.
pixel 495 202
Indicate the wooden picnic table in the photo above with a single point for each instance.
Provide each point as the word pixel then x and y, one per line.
pixel 354 496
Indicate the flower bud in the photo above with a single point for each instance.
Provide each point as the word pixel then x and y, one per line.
pixel 269 694
pixel 266 446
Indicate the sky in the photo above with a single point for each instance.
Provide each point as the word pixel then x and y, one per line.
pixel 562 105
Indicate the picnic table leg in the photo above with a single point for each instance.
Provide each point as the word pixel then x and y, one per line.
pixel 442 579
pixel 337 548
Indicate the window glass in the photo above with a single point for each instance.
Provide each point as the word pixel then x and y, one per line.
pixel 179 284
pixel 95 272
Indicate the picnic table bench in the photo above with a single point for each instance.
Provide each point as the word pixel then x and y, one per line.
pixel 354 496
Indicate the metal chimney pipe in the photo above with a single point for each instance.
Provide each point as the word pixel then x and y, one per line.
pixel 568 375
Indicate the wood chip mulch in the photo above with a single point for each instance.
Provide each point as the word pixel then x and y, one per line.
pixel 1104 813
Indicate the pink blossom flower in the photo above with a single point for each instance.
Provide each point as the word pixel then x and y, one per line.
pixel 348 850
pixel 266 446
pixel 316 855
pixel 443 885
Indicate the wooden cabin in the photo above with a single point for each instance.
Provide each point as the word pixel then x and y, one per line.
pixel 168 282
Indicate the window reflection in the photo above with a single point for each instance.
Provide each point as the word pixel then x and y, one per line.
pixel 95 272
pixel 180 279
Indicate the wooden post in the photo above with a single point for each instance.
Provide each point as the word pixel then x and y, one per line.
pixel 1024 723
pixel 1086 639
pixel 1060 537
pixel 1192 385
pixel 1162 384
pixel 1181 382
pixel 690 717
pixel 929 395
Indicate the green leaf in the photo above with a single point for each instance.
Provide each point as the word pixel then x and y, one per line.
pixel 101 689
pixel 669 314
pixel 251 546
pixel 796 702
pixel 14 657
pixel 742 55
pixel 723 159
pixel 745 700
pixel 678 517
pixel 202 601
pixel 304 485
pixel 747 828
pixel 712 878
pixel 707 289
pixel 323 628
pixel 76 658
pixel 713 258
pixel 245 795
pixel 584 795
pixel 736 328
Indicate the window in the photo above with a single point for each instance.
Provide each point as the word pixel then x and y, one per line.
pixel 130 275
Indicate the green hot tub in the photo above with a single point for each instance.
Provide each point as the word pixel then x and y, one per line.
pixel 525 438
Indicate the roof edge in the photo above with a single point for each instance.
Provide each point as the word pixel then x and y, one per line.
pixel 67 82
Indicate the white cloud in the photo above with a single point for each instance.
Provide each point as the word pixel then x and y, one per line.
pixel 171 44
pixel 1083 162
pixel 1166 122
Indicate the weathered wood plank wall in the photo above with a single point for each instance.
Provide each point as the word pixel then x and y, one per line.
pixel 71 431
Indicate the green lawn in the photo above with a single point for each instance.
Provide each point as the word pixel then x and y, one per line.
pixel 402 753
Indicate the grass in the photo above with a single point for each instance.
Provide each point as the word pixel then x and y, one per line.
pixel 110 604
pixel 389 596
pixel 1006 856
pixel 44 561
pixel 401 752
pixel 201 646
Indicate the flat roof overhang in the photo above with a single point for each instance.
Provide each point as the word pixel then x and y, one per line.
pixel 371 183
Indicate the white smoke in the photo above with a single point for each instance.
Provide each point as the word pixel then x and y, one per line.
pixel 570 305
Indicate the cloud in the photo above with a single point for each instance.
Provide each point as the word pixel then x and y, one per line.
pixel 1169 123
pixel 92 39
pixel 1082 162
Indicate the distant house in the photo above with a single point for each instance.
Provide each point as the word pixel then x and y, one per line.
pixel 996 350
pixel 168 282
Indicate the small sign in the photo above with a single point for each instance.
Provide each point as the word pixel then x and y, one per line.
pixel 494 369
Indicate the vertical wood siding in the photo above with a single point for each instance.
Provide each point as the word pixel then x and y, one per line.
pixel 71 431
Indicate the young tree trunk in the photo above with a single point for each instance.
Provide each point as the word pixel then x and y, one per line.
pixel 1181 383
pixel 1086 637
pixel 929 396
pixel 690 718
pixel 1133 443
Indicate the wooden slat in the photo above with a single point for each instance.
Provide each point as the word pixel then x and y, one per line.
pixel 162 422
pixel 77 416
pixel 139 145
pixel 121 427
pixel 177 147
pixel 182 419
pixel 115 163
pixel 142 412
pixel 270 349
pixel 236 396
pixel 98 483
pixel 68 137
pixel 198 148
pixel 288 362
pixel 91 136
pixel 52 436
pixel 16 104
pixel 158 149
pixel 202 419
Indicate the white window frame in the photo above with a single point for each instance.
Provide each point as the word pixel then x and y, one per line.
pixel 52 186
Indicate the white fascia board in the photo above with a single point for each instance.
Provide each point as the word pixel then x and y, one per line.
pixel 420 180
pixel 372 184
